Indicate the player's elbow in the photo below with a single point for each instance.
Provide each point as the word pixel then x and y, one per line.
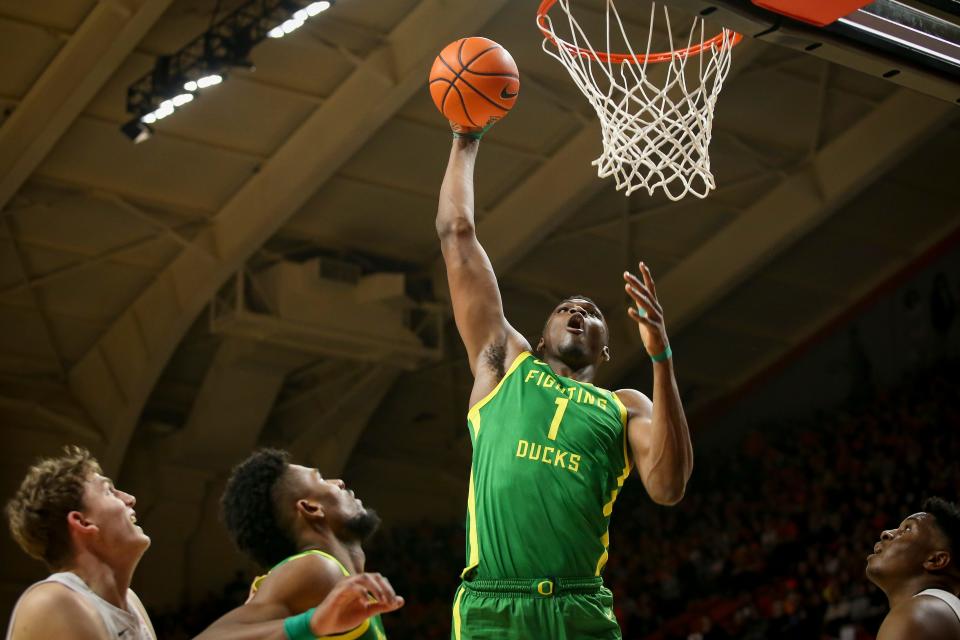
pixel 452 229
pixel 667 493
pixel 667 498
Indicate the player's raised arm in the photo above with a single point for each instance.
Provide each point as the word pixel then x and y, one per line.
pixel 658 432
pixel 477 306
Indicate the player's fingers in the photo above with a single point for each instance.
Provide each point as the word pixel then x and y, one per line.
pixel 646 305
pixel 381 588
pixel 636 316
pixel 639 285
pixel 633 280
pixel 351 593
pixel 371 587
pixel 648 278
pixel 384 586
pixel 375 608
pixel 643 289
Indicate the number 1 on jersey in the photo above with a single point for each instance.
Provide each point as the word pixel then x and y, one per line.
pixel 557 417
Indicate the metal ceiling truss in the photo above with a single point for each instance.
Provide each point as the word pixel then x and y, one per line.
pixel 107 36
pixel 114 379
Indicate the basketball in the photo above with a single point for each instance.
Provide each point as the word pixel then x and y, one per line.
pixel 474 82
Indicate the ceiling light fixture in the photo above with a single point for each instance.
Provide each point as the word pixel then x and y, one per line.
pixel 177 79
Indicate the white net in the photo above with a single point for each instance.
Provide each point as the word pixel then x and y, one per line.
pixel 655 110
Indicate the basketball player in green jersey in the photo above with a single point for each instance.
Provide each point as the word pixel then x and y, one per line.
pixel 550 450
pixel 309 530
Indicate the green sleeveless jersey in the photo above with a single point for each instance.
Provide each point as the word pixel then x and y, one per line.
pixel 371 629
pixel 549 458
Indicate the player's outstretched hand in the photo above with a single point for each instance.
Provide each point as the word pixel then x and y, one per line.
pixel 646 311
pixel 476 133
pixel 352 601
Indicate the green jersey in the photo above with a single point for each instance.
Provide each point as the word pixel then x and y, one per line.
pixel 549 458
pixel 371 629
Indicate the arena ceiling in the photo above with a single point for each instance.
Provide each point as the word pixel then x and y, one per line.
pixel 829 181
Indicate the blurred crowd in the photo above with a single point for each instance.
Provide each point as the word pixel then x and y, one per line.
pixel 770 541
pixel 772 538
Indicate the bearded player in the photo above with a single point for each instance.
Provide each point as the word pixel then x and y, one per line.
pixel 550 450
pixel 310 530
pixel 69 515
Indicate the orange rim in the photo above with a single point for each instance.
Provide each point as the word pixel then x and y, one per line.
pixel 731 37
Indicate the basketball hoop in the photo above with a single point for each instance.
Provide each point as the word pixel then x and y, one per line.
pixel 656 131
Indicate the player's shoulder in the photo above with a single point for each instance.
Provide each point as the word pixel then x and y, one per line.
pixel 635 402
pixel 307 572
pixel 51 609
pixel 925 617
pixel 141 609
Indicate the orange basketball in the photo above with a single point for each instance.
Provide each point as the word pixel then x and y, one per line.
pixel 474 82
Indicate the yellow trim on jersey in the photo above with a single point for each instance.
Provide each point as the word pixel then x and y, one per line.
pixel 474 560
pixel 623 409
pixel 309 552
pixel 473 418
pixel 608 508
pixel 349 635
pixel 602 562
pixel 627 465
pixel 456 614
pixel 513 367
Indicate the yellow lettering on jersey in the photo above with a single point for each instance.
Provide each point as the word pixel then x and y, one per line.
pixel 561 459
pixel 548 455
pixel 522 448
pixel 574 392
pixel 557 417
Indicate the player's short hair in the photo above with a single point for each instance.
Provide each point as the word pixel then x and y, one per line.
pixel 37 513
pixel 946 515
pixel 585 299
pixel 252 511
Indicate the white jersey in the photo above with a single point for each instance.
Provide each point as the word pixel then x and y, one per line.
pixel 952 601
pixel 126 625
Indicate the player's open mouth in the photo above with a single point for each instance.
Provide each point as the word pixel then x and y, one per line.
pixel 575 324
pixel 133 518
pixel 877 549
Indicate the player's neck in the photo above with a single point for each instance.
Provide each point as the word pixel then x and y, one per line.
pixel 584 374
pixel 906 590
pixel 348 552
pixel 109 580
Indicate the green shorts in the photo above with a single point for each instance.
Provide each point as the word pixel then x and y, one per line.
pixel 561 609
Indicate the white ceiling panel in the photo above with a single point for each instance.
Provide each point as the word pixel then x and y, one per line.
pixel 22 334
pixel 64 15
pixel 192 175
pixel 32 49
pixel 85 225
pixel 352 214
pixel 98 292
